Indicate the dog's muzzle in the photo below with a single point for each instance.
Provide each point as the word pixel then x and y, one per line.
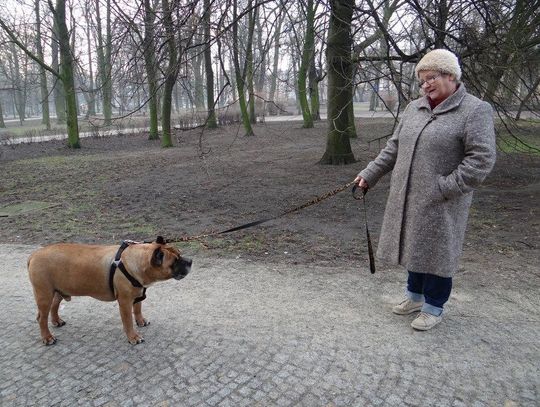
pixel 181 268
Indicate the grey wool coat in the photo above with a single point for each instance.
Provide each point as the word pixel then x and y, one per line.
pixel 437 158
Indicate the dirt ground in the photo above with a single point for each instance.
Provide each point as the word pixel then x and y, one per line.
pixel 126 187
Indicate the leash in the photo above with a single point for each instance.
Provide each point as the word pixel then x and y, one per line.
pixel 370 247
pixel 261 221
pixel 288 212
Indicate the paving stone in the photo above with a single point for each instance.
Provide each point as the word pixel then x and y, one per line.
pixel 306 336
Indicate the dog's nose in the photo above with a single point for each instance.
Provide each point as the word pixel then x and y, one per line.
pixel 182 268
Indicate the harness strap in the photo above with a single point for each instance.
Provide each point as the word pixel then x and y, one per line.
pixel 117 263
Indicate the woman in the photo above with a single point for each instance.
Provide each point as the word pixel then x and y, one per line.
pixel 443 148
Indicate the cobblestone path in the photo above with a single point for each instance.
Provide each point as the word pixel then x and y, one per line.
pixel 239 333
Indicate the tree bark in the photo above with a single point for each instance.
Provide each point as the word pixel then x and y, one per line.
pixel 151 68
pixel 275 66
pixel 306 61
pixel 314 97
pixel 211 121
pixel 240 78
pixel 2 123
pixel 197 62
pixel 66 73
pixel 104 51
pixel 59 95
pixel 18 94
pixel 338 146
pixel 249 66
pixel 170 74
pixel 91 92
pixel 45 115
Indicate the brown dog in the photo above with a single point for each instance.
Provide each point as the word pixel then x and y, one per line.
pixel 63 270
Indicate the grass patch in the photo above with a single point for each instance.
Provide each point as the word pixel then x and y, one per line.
pixel 522 139
pixel 522 144
pixel 25 207
pixel 34 129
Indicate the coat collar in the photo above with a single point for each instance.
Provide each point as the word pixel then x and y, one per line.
pixel 451 102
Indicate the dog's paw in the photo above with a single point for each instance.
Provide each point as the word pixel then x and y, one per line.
pixel 58 323
pixel 142 322
pixel 50 340
pixel 136 340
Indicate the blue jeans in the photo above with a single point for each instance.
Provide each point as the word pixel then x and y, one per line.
pixel 434 290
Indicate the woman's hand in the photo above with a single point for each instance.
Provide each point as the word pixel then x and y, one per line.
pixel 361 182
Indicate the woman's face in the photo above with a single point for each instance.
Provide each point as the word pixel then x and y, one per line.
pixel 436 85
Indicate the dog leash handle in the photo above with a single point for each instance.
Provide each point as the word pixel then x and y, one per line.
pixel 368 237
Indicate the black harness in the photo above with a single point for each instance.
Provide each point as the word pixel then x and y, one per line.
pixel 117 263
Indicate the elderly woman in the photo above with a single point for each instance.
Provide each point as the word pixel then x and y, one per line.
pixel 442 149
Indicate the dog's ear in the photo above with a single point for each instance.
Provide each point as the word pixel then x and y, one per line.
pixel 157 258
pixel 160 240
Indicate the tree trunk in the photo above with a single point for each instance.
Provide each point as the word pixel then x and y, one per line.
pixel 198 89
pixel 59 96
pixel 2 123
pixel 170 74
pixel 211 121
pixel 351 129
pixel 275 67
pixel 151 68
pixel 46 119
pixel 240 78
pixel 66 73
pixel 262 60
pixel 91 92
pixel 104 51
pixel 250 68
pixel 314 91
pixel 338 146
pixel 306 61
pixel 18 94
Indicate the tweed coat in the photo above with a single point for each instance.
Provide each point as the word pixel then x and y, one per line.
pixel 437 158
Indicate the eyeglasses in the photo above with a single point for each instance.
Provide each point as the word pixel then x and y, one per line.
pixel 429 81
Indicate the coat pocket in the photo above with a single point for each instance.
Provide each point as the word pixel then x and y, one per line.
pixel 439 189
pixel 449 188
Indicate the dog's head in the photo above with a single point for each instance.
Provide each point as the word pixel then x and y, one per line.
pixel 166 262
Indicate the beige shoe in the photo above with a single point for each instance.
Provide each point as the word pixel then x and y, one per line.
pixel 425 321
pixel 407 306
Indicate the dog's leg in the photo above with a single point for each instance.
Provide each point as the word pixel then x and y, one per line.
pixel 137 311
pixel 55 318
pixel 126 305
pixel 44 300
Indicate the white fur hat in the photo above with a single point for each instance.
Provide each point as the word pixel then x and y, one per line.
pixel 440 60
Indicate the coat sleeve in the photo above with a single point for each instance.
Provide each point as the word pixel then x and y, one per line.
pixel 386 159
pixel 480 153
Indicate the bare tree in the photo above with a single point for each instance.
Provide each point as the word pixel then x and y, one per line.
pixel 65 73
pixel 308 53
pixel 104 53
pixel 338 55
pixel 275 64
pixel 149 50
pixel 211 121
pixel 171 72
pixel 240 74
pixel 46 120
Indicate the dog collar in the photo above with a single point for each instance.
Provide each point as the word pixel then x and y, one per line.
pixel 117 263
